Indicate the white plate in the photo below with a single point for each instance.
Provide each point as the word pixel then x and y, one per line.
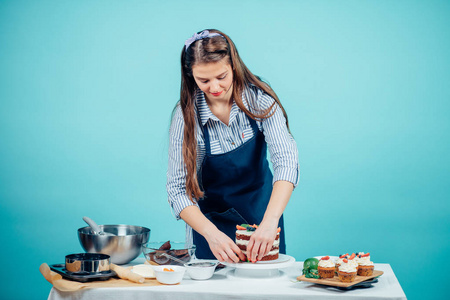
pixel 283 261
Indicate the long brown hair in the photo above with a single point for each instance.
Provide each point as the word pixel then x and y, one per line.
pixel 210 50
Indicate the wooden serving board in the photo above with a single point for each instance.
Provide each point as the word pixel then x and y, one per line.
pixel 336 282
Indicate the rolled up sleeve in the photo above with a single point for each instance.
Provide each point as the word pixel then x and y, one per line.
pixel 176 172
pixel 282 146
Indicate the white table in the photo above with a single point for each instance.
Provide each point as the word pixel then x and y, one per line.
pixel 225 286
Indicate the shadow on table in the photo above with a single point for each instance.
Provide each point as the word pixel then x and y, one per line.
pixel 218 277
pixel 319 287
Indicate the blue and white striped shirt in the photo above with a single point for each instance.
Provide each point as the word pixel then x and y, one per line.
pixel 282 147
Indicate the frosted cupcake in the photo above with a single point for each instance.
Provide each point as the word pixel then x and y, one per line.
pixel 326 267
pixel 339 261
pixel 347 271
pixel 358 256
pixel 365 266
pixel 352 260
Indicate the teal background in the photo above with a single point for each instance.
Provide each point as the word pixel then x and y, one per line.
pixel 87 89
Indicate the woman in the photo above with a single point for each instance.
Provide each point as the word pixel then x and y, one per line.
pixel 218 174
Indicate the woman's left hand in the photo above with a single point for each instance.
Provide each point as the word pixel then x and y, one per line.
pixel 262 240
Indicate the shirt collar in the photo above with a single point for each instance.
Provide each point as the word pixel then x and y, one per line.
pixel 206 114
pixel 203 108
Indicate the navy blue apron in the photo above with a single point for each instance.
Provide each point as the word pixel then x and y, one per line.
pixel 237 187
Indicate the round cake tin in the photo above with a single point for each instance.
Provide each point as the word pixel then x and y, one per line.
pixel 88 263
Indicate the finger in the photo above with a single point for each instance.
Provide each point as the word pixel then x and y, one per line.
pixel 235 258
pixel 227 254
pixel 224 256
pixel 255 251
pixel 220 255
pixel 250 248
pixel 241 255
pixel 269 247
pixel 238 252
pixel 232 256
pixel 264 250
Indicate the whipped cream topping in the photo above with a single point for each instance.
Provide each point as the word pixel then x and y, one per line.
pixel 273 252
pixel 347 268
pixel 353 262
pixel 339 261
pixel 248 233
pixel 357 256
pixel 244 232
pixel 365 261
pixel 276 243
pixel 326 263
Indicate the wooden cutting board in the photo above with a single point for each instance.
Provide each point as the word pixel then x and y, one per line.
pixel 336 282
pixel 65 285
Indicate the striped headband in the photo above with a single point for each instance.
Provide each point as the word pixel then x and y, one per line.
pixel 199 36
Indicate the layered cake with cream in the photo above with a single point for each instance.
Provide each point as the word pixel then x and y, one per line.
pixel 243 234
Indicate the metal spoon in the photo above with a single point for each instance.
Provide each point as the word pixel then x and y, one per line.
pixel 95 228
pixel 173 258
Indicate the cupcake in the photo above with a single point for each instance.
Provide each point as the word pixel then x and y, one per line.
pixel 358 256
pixel 326 267
pixel 352 260
pixel 347 271
pixel 365 266
pixel 339 261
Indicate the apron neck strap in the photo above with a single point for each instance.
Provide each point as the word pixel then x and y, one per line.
pixel 254 125
pixel 206 133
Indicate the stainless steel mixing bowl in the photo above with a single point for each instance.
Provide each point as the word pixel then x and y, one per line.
pixel 123 247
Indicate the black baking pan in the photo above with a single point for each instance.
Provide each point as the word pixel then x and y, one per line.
pixel 85 267
pixel 86 277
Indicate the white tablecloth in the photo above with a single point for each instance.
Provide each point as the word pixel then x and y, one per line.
pixel 225 286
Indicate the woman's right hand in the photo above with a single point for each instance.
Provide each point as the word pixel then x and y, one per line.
pixel 224 248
